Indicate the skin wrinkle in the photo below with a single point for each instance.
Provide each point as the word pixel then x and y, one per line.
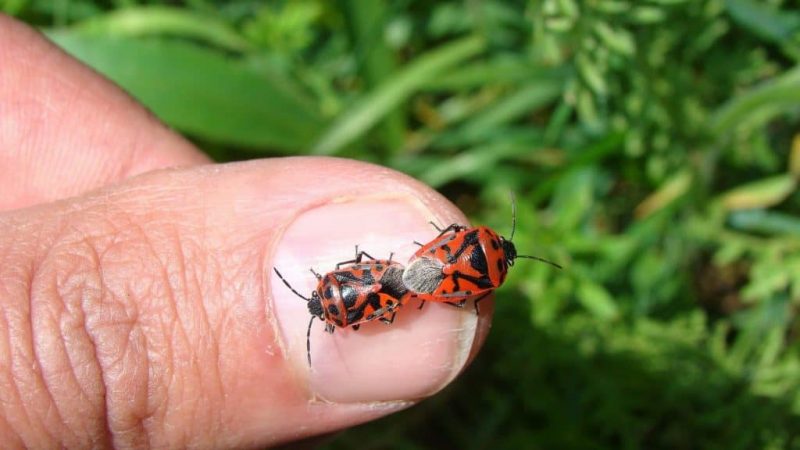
pixel 21 283
pixel 227 322
pixel 94 243
pixel 36 366
pixel 50 360
pixel 84 311
pixel 84 300
pixel 17 401
pixel 179 331
pixel 112 316
pixel 172 325
pixel 155 414
pixel 177 281
pixel 182 275
pixel 216 379
pixel 29 377
pixel 5 342
pixel 87 251
pixel 129 425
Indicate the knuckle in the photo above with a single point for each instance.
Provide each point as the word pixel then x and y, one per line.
pixel 123 352
pixel 155 345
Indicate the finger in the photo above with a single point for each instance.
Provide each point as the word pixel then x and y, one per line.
pixel 64 129
pixel 148 313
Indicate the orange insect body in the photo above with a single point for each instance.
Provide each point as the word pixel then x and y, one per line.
pixel 462 263
pixel 357 293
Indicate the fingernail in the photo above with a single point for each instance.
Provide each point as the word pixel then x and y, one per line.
pixel 409 359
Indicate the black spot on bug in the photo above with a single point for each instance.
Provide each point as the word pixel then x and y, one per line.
pixel 379 267
pixel 333 310
pixel 349 296
pixel 344 276
pixel 355 314
pixel 500 265
pixel 328 292
pixel 368 277
pixel 495 244
pixel 374 300
pixel 477 259
pixel 454 278
pixel 338 322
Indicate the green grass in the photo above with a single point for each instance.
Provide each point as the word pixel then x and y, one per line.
pixel 652 145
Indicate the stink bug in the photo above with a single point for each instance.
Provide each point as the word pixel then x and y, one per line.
pixel 359 292
pixel 462 263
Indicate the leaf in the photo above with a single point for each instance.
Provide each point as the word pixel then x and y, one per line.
pixel 591 74
pixel 764 21
pixel 155 20
pixel 646 15
pixel 522 101
pixel 471 161
pixel 672 189
pixel 574 198
pixel 765 222
pixel 773 97
pixel 597 300
pixel 764 285
pixel 200 92
pixel 759 194
pixel 13 7
pixel 354 122
pixel 794 156
pixel 618 40
pixel 493 72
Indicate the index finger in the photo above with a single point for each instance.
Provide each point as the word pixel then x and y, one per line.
pixel 65 130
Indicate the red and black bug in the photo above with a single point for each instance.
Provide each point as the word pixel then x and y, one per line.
pixel 462 263
pixel 359 292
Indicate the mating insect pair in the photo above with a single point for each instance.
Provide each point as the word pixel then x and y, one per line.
pixel 460 264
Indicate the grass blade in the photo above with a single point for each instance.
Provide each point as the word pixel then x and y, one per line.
pixel 356 121
pixel 763 102
pixel 366 22
pixel 157 20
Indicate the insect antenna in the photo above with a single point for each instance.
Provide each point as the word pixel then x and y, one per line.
pixel 540 259
pixel 308 340
pixel 513 215
pixel 290 286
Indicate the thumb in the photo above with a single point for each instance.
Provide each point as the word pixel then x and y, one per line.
pixel 148 314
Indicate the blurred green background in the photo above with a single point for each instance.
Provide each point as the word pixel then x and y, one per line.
pixel 652 145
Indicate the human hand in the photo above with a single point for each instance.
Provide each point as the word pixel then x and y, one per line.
pixel 138 307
